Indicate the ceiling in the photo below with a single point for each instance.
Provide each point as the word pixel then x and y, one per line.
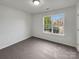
pixel 45 5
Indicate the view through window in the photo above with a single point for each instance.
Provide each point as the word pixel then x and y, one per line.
pixel 54 24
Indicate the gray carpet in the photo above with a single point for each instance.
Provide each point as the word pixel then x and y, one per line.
pixel 35 48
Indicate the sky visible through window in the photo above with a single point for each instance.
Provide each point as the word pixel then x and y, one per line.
pixel 57 17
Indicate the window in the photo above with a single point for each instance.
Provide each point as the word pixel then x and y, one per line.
pixel 54 24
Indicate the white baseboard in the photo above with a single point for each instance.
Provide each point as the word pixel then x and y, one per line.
pixel 54 41
pixel 14 43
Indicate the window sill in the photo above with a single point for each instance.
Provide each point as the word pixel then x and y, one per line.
pixel 50 33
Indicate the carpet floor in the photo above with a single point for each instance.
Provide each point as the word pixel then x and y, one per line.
pixel 35 48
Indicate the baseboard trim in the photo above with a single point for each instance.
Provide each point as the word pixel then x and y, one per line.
pixel 56 42
pixel 15 43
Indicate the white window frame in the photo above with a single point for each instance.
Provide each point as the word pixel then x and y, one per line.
pixel 52 25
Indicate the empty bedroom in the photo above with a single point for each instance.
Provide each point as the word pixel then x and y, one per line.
pixel 39 29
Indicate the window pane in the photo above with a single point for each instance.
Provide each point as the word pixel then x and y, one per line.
pixel 58 23
pixel 47 24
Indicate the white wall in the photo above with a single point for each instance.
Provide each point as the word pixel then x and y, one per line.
pixel 15 26
pixel 77 27
pixel 70 26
